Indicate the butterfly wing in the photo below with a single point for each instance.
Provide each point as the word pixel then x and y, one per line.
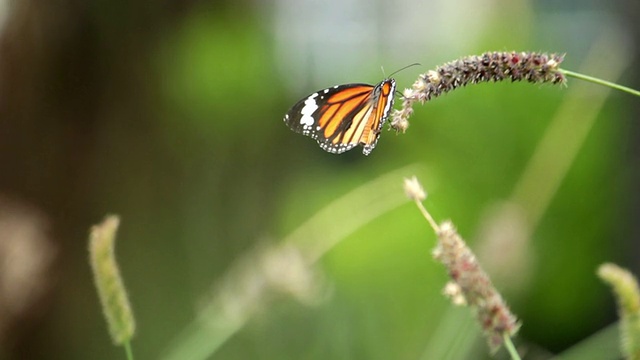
pixel 343 116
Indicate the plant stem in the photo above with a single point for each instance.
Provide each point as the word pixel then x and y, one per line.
pixel 600 82
pixel 510 347
pixel 127 350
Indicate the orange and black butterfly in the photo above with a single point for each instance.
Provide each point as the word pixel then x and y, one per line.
pixel 344 116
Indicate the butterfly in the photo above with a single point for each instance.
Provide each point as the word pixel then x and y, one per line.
pixel 344 116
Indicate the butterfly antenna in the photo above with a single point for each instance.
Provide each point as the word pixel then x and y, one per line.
pixel 406 67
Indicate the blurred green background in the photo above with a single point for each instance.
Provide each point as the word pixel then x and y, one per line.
pixel 169 114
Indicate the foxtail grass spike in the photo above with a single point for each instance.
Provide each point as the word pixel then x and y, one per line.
pixel 470 285
pixel 111 290
pixel 625 289
pixel 474 287
pixel 493 66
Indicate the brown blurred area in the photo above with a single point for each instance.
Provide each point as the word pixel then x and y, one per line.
pixel 81 136
pixel 67 70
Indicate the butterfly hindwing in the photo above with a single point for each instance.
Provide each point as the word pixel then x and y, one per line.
pixel 343 116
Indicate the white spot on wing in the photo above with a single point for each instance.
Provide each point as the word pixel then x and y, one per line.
pixel 309 108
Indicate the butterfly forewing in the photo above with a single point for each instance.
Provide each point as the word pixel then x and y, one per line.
pixel 382 109
pixel 343 116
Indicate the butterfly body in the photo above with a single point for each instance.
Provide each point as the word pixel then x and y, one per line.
pixel 344 116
